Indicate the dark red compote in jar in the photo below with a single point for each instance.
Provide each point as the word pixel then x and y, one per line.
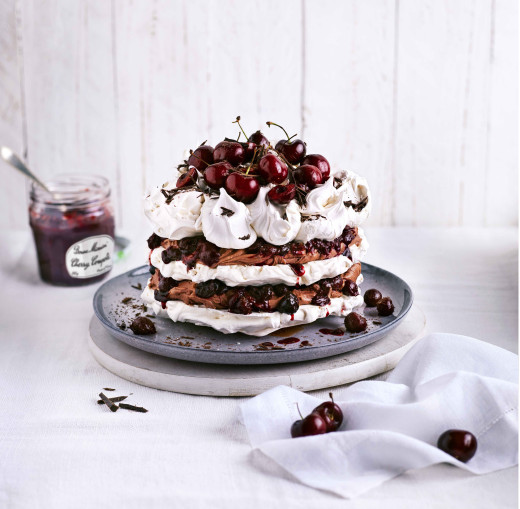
pixel 73 228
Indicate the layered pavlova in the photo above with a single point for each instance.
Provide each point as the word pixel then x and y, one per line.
pixel 251 238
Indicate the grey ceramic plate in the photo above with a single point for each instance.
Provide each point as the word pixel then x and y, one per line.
pixel 118 301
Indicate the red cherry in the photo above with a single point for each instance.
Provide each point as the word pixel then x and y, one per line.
pixel 230 151
pixel 216 174
pixel 293 151
pixel 313 424
pixel 201 157
pixel 331 413
pixel 249 151
pixel 282 194
pixel 242 187
pixel 320 162
pixel 187 179
pixel 296 429
pixel 459 443
pixel 272 170
pixel 308 175
pixel 259 139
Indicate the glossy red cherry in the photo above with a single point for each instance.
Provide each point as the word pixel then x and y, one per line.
pixel 216 174
pixel 230 151
pixel 320 162
pixel 293 151
pixel 249 151
pixel 459 443
pixel 313 424
pixel 308 175
pixel 187 179
pixel 282 194
pixel 201 157
pixel 259 139
pixel 272 170
pixel 242 187
pixel 331 413
pixel 296 429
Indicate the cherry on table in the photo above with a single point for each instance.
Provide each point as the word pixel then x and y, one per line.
pixel 458 443
pixel 242 187
pixel 230 151
pixel 331 413
pixel 372 297
pixel 320 162
pixel 385 306
pixel 215 175
pixel 187 179
pixel 272 170
pixel 282 194
pixel 355 322
pixel 201 157
pixel 308 175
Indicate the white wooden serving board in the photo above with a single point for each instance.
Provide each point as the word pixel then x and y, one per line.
pixel 224 380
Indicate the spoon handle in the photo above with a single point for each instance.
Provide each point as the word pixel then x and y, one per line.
pixel 11 158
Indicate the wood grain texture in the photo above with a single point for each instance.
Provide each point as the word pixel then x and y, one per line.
pixel 420 97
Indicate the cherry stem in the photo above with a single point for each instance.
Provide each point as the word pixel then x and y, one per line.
pixel 252 160
pixel 237 121
pixel 278 125
pixel 331 397
pixel 298 408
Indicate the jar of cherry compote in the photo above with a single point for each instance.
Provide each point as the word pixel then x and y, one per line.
pixel 73 228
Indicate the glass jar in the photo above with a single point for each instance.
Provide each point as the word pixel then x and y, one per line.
pixel 73 228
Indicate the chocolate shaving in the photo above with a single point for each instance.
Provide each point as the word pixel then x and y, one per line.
pixel 358 207
pixel 226 212
pixel 109 403
pixel 138 286
pixel 170 194
pixel 108 389
pixel 115 399
pixel 126 300
pixel 126 406
pixel 245 237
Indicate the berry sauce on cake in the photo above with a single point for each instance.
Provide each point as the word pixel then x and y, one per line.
pixel 250 238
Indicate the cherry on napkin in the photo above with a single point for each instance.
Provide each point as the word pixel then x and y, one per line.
pixel 445 381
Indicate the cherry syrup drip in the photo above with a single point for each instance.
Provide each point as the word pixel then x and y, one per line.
pixel 163 304
pixel 288 341
pixel 333 332
pixel 292 318
pixel 298 269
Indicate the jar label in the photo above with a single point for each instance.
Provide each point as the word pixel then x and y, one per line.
pixel 90 257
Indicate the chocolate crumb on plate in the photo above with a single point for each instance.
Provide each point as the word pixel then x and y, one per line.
pixel 138 286
pixel 108 389
pixel 115 399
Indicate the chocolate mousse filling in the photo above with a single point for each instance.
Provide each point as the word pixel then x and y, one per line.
pixel 214 294
pixel 192 250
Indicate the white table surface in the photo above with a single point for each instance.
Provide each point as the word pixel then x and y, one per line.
pixel 58 448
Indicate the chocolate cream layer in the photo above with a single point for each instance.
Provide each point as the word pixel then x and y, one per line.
pixel 192 250
pixel 246 299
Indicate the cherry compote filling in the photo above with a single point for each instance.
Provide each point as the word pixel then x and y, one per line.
pixel 192 250
pixel 245 300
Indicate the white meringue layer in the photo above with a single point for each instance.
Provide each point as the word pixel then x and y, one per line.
pixel 255 324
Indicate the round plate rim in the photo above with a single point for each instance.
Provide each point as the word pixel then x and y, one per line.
pixel 268 355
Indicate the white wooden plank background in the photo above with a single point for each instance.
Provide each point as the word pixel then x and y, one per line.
pixel 420 96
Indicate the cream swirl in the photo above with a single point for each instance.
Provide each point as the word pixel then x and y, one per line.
pixel 324 214
pixel 177 217
pixel 355 191
pixel 227 222
pixel 275 224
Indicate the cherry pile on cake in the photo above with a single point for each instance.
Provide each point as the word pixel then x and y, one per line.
pixel 250 237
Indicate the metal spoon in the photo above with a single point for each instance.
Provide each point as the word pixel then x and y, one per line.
pixel 11 158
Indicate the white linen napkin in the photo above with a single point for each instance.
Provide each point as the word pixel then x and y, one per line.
pixel 445 381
